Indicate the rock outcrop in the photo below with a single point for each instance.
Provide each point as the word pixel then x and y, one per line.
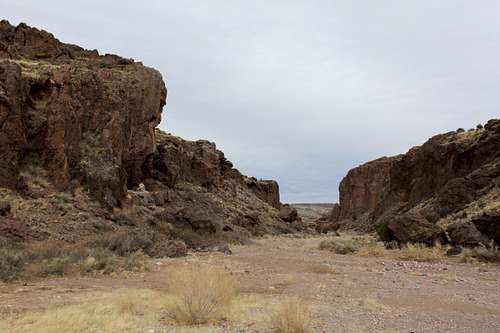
pixel 452 178
pixel 83 117
pixel 81 155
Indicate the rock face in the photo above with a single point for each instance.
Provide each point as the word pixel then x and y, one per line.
pixel 451 178
pixel 82 116
pixel 81 153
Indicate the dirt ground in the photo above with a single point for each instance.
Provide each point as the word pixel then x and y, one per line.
pixel 345 293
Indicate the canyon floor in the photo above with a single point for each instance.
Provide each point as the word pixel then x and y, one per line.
pixel 345 293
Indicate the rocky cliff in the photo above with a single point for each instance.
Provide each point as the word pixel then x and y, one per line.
pixel 435 191
pixel 81 154
pixel 83 117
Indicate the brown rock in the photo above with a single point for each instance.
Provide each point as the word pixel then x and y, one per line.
pixel 288 213
pixel 411 228
pixel 266 190
pixel 489 225
pixel 17 230
pixel 465 233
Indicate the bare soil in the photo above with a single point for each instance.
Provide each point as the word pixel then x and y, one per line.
pixel 345 293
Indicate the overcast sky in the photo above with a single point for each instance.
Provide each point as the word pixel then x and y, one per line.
pixel 299 91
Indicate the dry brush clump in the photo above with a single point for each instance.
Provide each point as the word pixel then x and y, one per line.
pixel 56 258
pixel 293 316
pixel 130 310
pixel 484 254
pixel 369 246
pixel 200 294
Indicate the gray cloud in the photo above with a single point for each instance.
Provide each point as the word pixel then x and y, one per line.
pixel 299 91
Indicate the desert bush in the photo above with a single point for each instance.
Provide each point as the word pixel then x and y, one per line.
pixel 135 262
pixel 11 264
pixel 369 246
pixel 481 254
pixel 292 317
pixel 123 244
pixel 130 216
pixel 200 294
pixel 55 258
pixel 340 246
pixel 479 126
pixel 100 259
pixel 420 252
pixel 460 130
pixel 347 245
pixel 193 239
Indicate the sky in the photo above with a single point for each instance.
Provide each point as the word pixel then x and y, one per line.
pixel 299 91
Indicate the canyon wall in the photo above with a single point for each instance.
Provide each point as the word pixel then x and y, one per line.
pixel 452 179
pixel 81 154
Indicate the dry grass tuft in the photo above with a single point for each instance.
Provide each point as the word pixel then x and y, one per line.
pixel 129 304
pixel 340 245
pixel 322 269
pixel 420 252
pixel 130 311
pixel 53 258
pixel 200 294
pixel 369 246
pixel 481 254
pixel 292 317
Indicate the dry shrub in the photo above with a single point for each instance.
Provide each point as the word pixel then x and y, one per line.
pixel 481 254
pixel 129 311
pixel 369 246
pixel 409 252
pixel 60 259
pixel 200 294
pixel 11 264
pixel 420 252
pixel 347 245
pixel 122 243
pixel 292 317
pixel 340 246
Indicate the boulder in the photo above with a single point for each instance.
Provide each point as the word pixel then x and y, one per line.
pixel 288 213
pixel 412 228
pixel 466 234
pixel 488 224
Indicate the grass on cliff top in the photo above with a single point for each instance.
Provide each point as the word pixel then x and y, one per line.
pixel 34 69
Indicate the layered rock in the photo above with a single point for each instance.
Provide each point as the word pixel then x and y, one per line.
pixel 449 179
